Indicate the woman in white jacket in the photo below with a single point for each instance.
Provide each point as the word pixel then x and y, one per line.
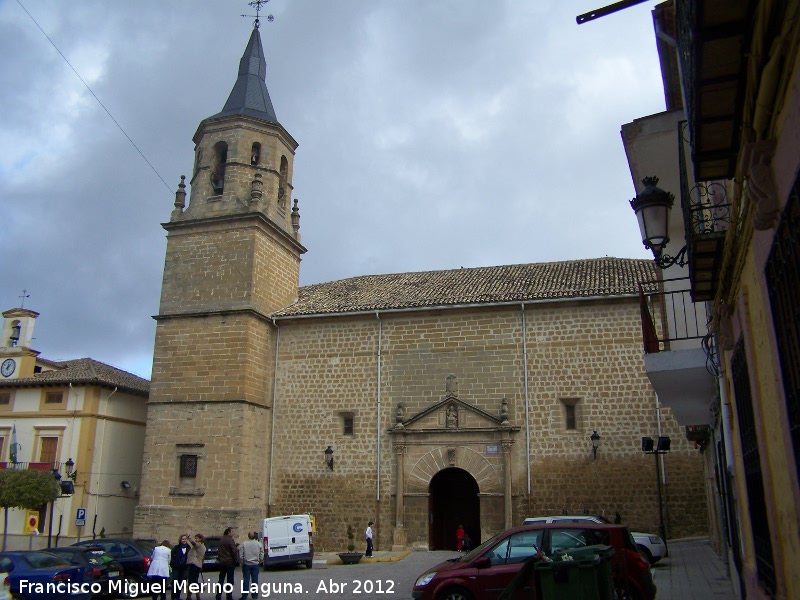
pixel 158 573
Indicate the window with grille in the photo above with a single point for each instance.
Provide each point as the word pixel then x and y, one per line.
pixel 754 479
pixel 349 425
pixel 188 465
pixel 783 285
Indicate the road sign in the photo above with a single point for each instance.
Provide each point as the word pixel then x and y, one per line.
pixel 32 521
pixel 80 517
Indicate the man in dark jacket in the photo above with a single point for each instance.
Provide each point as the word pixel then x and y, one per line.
pixel 178 563
pixel 227 557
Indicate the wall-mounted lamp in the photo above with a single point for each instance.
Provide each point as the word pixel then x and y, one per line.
pixel 125 485
pixel 652 206
pixel 70 468
pixel 595 443
pixel 329 457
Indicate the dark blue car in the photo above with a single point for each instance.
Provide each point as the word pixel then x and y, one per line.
pixel 34 575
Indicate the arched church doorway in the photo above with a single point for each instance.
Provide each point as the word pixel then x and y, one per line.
pixel 453 501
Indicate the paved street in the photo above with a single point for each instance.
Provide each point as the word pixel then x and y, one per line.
pixel 391 580
pixel 692 572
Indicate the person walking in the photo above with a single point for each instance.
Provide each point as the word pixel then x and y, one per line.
pixel 460 538
pixel 194 561
pixel 158 572
pixel 368 535
pixel 251 554
pixel 227 557
pixel 178 564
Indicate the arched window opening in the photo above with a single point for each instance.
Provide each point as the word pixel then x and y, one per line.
pixel 284 175
pixel 218 172
pixel 255 154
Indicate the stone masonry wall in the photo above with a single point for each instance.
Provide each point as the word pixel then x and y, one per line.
pixel 589 352
pixel 232 440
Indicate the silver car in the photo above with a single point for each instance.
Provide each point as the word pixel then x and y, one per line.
pixel 650 545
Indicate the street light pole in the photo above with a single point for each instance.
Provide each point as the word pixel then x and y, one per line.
pixel 662 446
pixel 661 529
pixel 50 524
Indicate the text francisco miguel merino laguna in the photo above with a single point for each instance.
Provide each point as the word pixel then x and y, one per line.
pixel 132 589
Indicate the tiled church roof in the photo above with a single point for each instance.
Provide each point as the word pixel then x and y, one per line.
pixel 84 371
pixel 481 285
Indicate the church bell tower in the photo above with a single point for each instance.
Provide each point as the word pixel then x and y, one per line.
pixel 233 257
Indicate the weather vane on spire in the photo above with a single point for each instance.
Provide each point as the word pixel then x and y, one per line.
pixel 258 5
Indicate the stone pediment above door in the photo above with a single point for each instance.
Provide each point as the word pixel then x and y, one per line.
pixel 452 414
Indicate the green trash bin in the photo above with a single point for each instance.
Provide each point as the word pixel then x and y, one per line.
pixel 580 574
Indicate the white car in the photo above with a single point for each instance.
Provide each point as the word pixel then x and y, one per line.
pixel 651 546
pixel 5 587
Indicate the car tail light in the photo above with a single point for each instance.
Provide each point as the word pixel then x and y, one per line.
pixel 636 559
pixel 93 572
pixel 61 577
pixel 146 564
pixel 311 539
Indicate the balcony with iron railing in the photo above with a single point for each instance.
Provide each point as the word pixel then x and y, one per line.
pixel 706 219
pixel 678 357
pixel 38 466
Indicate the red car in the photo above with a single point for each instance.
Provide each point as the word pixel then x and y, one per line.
pixel 483 573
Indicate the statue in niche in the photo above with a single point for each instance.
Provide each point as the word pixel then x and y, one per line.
pixel 451 419
pixel 399 417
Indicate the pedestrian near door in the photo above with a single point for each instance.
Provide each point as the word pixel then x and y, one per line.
pixel 368 535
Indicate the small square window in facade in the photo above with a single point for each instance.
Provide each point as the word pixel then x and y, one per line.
pixel 5 399
pixel 571 413
pixel 188 465
pixel 349 425
pixel 54 398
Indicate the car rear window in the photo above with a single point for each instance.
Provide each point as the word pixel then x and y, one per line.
pixel 145 547
pixel 567 538
pixel 39 560
pixel 630 543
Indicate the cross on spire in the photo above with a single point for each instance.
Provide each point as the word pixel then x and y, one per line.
pixel 258 5
pixel 25 294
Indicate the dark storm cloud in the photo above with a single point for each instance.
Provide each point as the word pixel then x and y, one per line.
pixel 432 135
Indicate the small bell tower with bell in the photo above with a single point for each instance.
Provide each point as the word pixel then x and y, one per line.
pixel 233 257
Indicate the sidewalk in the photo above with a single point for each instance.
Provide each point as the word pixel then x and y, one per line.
pixel 693 571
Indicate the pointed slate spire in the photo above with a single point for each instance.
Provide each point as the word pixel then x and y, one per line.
pixel 249 95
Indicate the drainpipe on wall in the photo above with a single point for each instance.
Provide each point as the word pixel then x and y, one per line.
pixel 96 491
pixel 378 425
pixel 272 428
pixel 527 398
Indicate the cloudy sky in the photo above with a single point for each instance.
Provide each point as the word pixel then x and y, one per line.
pixel 434 134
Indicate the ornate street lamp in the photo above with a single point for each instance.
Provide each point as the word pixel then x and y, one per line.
pixel 71 472
pixel 652 207
pixel 595 442
pixel 329 457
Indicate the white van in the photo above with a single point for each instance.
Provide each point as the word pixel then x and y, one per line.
pixel 288 540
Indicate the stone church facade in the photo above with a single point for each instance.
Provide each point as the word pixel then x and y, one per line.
pixel 463 396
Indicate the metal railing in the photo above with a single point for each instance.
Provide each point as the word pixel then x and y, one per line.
pixel 38 466
pixel 670 316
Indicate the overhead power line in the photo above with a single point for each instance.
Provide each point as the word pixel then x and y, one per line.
pixel 78 75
